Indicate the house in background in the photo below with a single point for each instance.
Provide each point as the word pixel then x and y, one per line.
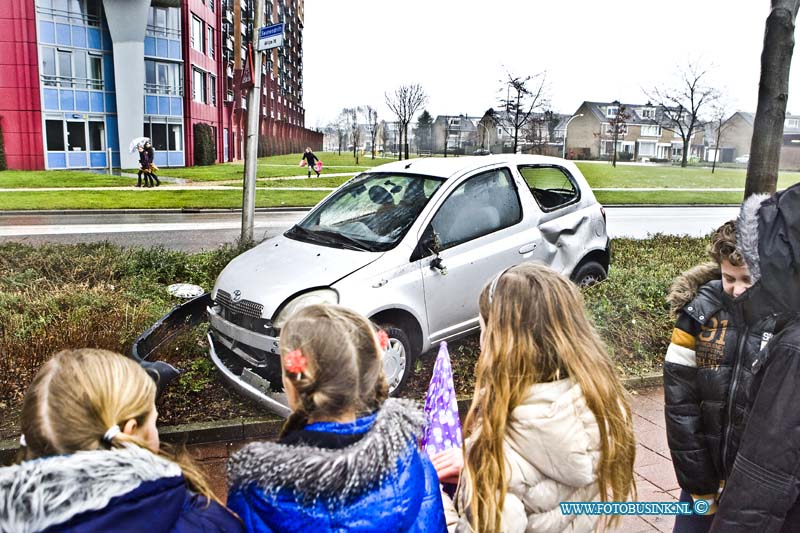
pixel 590 134
pixel 737 133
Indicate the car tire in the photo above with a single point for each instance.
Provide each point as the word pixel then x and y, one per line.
pixel 398 359
pixel 588 274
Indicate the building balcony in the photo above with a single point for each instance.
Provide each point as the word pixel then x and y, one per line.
pixel 229 96
pixel 229 43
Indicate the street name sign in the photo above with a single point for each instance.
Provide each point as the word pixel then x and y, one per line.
pixel 270 37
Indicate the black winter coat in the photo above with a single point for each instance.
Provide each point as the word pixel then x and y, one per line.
pixel 763 490
pixel 707 377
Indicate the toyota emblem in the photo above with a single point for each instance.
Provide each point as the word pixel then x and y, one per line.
pixel 237 295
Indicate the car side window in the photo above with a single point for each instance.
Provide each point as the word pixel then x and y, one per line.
pixel 483 204
pixel 551 186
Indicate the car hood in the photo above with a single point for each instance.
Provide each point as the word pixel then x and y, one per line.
pixel 281 267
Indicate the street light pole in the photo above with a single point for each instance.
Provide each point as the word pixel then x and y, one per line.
pixel 251 153
pixel 564 144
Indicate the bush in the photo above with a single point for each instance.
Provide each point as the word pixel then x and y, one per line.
pixel 205 146
pixel 3 164
pixel 624 156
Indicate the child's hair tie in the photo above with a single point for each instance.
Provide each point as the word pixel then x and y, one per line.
pixel 295 362
pixel 383 339
pixel 112 432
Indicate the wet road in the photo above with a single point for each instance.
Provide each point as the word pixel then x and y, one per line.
pixel 193 232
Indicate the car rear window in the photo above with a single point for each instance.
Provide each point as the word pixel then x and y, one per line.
pixel 552 186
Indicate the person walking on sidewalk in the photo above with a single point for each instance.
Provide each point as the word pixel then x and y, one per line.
pixel 707 373
pixel 144 168
pixel 549 422
pixel 311 160
pixel 151 158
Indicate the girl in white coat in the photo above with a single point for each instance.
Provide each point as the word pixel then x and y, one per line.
pixel 549 421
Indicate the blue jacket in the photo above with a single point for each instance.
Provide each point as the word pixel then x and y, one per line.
pixel 363 476
pixel 117 490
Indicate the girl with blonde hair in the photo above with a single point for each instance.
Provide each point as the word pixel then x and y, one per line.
pixel 347 459
pixel 549 421
pixel 92 460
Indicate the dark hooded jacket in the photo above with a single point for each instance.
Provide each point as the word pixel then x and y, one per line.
pixel 761 493
pixel 707 378
pixel 117 490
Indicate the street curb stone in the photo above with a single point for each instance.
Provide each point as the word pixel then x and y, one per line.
pixel 266 427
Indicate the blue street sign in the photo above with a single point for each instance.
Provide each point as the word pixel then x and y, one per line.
pixel 270 37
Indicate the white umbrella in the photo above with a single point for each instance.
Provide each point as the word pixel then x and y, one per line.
pixel 136 142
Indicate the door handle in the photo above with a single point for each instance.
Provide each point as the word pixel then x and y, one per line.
pixel 528 248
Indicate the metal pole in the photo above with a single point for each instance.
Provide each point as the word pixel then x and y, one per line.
pixel 251 146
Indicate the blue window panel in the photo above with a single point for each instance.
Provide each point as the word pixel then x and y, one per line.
pixel 63 34
pixel 111 103
pixel 77 159
pixel 81 101
pixel 67 99
pixel 47 33
pixel 115 159
pixel 108 72
pixel 56 160
pixel 79 36
pixel 163 105
pixel 112 135
pixel 96 101
pixel 149 46
pixel 174 49
pixel 94 39
pixel 107 43
pixel 51 99
pixel 97 159
pixel 174 159
pixel 176 107
pixel 161 159
pixel 161 48
pixel 151 105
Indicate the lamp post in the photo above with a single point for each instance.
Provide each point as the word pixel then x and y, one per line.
pixel 564 145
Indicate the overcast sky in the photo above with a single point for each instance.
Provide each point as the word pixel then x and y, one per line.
pixel 459 50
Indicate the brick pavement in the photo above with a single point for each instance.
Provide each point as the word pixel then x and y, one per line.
pixel 655 479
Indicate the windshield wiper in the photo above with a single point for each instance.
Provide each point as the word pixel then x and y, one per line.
pixel 328 237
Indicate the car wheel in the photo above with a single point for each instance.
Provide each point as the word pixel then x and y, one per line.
pixel 398 359
pixel 588 274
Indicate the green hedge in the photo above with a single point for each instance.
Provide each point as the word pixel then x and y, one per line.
pixel 205 146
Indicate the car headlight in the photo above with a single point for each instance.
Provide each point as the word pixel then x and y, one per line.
pixel 320 296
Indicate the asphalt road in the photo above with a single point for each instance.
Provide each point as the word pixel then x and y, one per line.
pixel 193 232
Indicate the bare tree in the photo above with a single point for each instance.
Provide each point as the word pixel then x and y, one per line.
pixel 618 125
pixel 371 115
pixel 342 126
pixel 404 103
pixel 384 135
pixel 520 102
pixel 355 130
pixel 773 91
pixel 719 123
pixel 681 105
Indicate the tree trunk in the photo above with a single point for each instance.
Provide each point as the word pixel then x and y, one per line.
pixel 614 151
pixel 405 134
pixel 400 142
pixel 716 146
pixel 684 157
pixel 773 91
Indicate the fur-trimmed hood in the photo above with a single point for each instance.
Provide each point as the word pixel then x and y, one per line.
pixel 768 235
pixel 42 493
pixel 684 288
pixel 313 474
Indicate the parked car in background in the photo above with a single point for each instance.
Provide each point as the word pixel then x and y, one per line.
pixel 743 159
pixel 410 245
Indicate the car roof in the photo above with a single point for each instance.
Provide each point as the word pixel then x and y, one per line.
pixel 446 167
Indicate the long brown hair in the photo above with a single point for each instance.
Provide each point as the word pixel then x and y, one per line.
pixel 536 330
pixel 344 371
pixel 79 394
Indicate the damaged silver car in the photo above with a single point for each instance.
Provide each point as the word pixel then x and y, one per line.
pixel 408 244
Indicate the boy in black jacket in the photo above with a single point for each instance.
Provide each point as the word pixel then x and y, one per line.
pixel 761 493
pixel 706 373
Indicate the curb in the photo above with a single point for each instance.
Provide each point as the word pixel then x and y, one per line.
pixel 240 429
pixel 17 212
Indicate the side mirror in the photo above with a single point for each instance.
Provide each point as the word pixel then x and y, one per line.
pixel 429 243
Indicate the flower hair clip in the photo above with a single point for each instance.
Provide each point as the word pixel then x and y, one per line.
pixel 295 362
pixel 383 339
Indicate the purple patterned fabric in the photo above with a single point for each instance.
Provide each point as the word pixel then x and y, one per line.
pixel 444 427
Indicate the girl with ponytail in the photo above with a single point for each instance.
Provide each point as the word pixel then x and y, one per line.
pixel 92 460
pixel 347 458
pixel 549 421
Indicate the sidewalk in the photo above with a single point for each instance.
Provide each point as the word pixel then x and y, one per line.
pixel 655 479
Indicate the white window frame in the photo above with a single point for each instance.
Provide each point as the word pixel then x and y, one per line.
pixel 197 38
pixel 649 127
pixel 649 112
pixel 612 111
pixel 652 145
pixel 199 92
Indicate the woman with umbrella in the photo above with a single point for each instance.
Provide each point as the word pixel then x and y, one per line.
pixel 144 166
pixel 151 165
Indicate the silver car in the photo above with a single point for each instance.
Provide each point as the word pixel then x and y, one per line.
pixel 409 244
